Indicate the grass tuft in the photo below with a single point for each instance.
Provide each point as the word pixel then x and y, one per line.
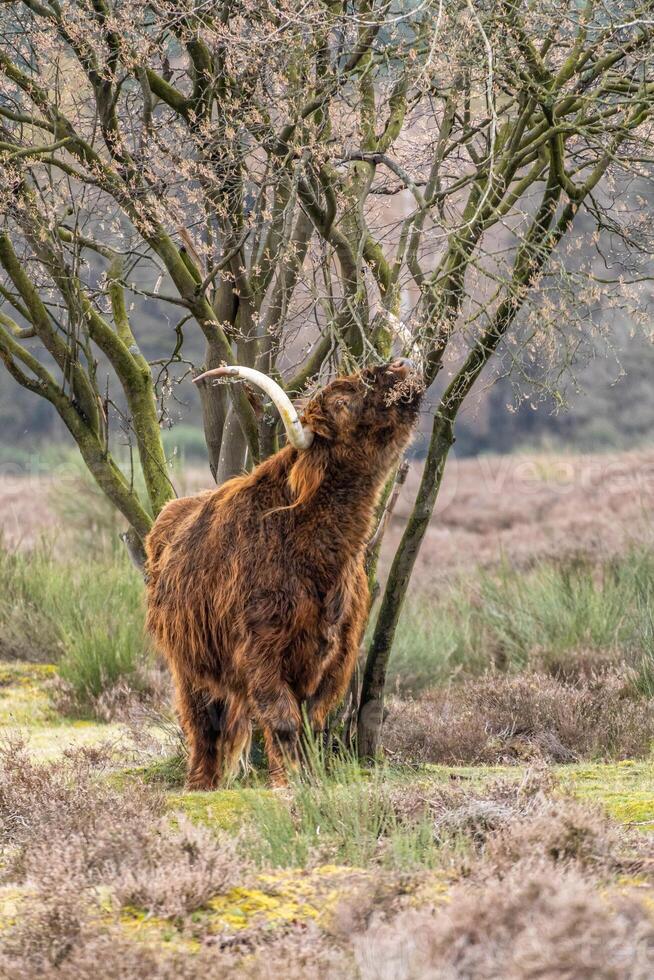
pixel 84 615
pixel 336 812
pixel 560 618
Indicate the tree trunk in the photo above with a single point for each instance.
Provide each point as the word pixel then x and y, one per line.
pixel 233 448
pixel 531 258
pixel 371 704
pixel 215 404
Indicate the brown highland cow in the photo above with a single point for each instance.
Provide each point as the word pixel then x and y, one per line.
pixel 257 592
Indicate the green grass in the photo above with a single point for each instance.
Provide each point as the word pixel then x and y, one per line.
pixel 545 617
pixel 338 811
pixel 102 630
pixel 84 615
pixel 434 642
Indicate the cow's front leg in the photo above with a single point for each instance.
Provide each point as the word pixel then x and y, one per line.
pixel 340 664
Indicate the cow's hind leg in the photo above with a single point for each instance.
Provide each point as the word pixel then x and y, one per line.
pixel 203 721
pixel 234 740
pixel 263 663
pixel 278 713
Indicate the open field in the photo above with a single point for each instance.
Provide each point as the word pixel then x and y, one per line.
pixel 517 508
pixel 522 509
pixel 110 871
pixel 507 833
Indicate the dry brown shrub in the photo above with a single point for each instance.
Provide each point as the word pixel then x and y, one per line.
pixel 68 831
pixel 295 952
pixel 64 811
pixel 486 831
pixel 585 665
pixel 560 832
pixel 90 952
pixel 457 807
pixel 51 924
pixel 545 924
pixel 148 691
pixel 505 719
pixel 180 870
pixel 109 954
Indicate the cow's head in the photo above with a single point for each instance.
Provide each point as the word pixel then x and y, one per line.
pixel 374 408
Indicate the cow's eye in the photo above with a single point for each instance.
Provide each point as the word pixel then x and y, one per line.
pixel 342 403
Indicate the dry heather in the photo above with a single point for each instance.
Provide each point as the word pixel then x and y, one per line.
pixel 532 901
pixel 528 873
pixel 499 719
pixel 463 880
pixel 179 870
pixel 105 953
pixel 546 925
pixel 67 830
pixel 486 832
pixel 549 925
pixel 529 508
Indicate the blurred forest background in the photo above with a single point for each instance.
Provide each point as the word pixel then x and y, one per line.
pixel 608 402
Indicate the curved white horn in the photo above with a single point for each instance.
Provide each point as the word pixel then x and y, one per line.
pixel 298 435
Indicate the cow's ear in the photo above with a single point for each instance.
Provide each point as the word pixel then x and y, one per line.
pixel 318 422
pixel 320 427
pixel 307 473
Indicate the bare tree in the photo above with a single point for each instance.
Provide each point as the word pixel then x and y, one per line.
pixel 312 186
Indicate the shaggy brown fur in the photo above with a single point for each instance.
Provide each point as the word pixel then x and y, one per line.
pixel 257 592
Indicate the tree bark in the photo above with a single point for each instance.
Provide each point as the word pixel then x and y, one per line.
pixel 371 704
pixel 233 449
pixel 215 404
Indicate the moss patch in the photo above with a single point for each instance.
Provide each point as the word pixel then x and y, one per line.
pixel 223 809
pixel 24 697
pixel 26 710
pixel 153 930
pixel 17 674
pixel 284 896
pixel 278 898
pixel 48 742
pixel 11 897
pixel 477 775
pixel 626 789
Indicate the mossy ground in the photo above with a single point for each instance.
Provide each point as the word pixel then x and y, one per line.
pixel 626 789
pixel 24 698
pixel 280 898
pixel 224 809
pixel 286 895
pixel 10 900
